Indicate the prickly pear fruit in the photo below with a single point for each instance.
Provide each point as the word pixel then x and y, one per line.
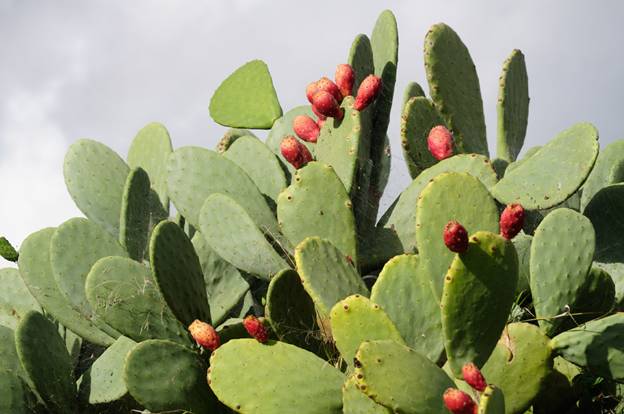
pixel 472 375
pixel 311 89
pixel 306 128
pixel 455 237
pixel 319 115
pixel 325 103
pixel 511 221
pixel 295 152
pixel 327 85
pixel 440 142
pixel 320 123
pixel 256 328
pixel 345 78
pixel 458 402
pixel 367 92
pixel 204 334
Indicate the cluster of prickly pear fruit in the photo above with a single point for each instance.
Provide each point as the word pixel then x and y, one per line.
pixel 277 289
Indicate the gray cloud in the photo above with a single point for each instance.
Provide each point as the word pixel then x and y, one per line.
pixel 103 69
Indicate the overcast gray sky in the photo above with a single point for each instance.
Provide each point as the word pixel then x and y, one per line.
pixel 103 69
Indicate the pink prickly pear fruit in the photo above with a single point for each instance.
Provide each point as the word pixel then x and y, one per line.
pixel 256 328
pixel 306 128
pixel 295 152
pixel 311 89
pixel 345 78
pixel 473 376
pixel 440 142
pixel 455 237
pixel 327 85
pixel 458 402
pixel 319 115
pixel 204 334
pixel 367 92
pixel 320 123
pixel 324 103
pixel 511 221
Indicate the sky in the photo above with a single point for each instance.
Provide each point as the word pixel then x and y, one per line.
pixel 104 69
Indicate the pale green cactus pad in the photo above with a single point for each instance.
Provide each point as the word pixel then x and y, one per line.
pixel 512 107
pixel 355 401
pixel 492 401
pixel 12 394
pixel 422 383
pixel 522 244
pixel 572 154
pixel 412 90
pixel 15 299
pixel 402 289
pixel 230 137
pixel 479 289
pixel 274 378
pixel 246 98
pixel 609 169
pixel 356 319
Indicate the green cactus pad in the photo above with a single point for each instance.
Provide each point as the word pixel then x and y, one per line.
pixel 419 382
pixel 9 360
pixel 230 136
pixel 492 401
pixel 246 98
pixel 401 218
pixel 165 376
pixel 553 173
pixel 15 299
pixel 402 289
pixel 95 177
pixel 479 289
pixel 597 296
pixel 225 286
pixel 36 271
pixel 316 204
pixel 257 160
pixel 75 246
pixel 609 169
pixel 518 162
pixel 232 233
pixel 561 256
pixel 412 90
pixel 12 393
pixel 522 244
pixel 326 273
pixel 355 401
pixel 519 365
pixel 596 345
pixel 7 251
pixel 104 381
pixel 356 319
pixel 419 116
pixel 361 59
pixel 46 361
pixel 450 196
pixel 150 150
pixel 134 222
pixel 512 107
pixel 195 173
pixel 454 87
pixel 290 311
pixel 283 127
pixel 274 378
pixel 123 293
pixel 560 390
pixel 178 273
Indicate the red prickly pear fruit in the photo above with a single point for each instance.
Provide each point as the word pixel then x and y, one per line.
pixel 306 128
pixel 319 115
pixel 345 78
pixel 472 375
pixel 327 85
pixel 458 402
pixel 204 334
pixel 455 237
pixel 320 123
pixel 295 152
pixel 440 142
pixel 324 103
pixel 511 221
pixel 367 92
pixel 256 328
pixel 311 89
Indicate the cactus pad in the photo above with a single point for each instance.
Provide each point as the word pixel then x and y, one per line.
pixel 454 88
pixel 492 401
pixel 512 107
pixel 134 222
pixel 7 251
pixel 254 378
pixel 246 98
pixel 571 154
pixel 15 299
pixel 12 393
pixel 361 59
pixel 355 401
pixel 303 212
pixel 95 177
pixel 608 169
pixel 378 362
pixel 479 289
